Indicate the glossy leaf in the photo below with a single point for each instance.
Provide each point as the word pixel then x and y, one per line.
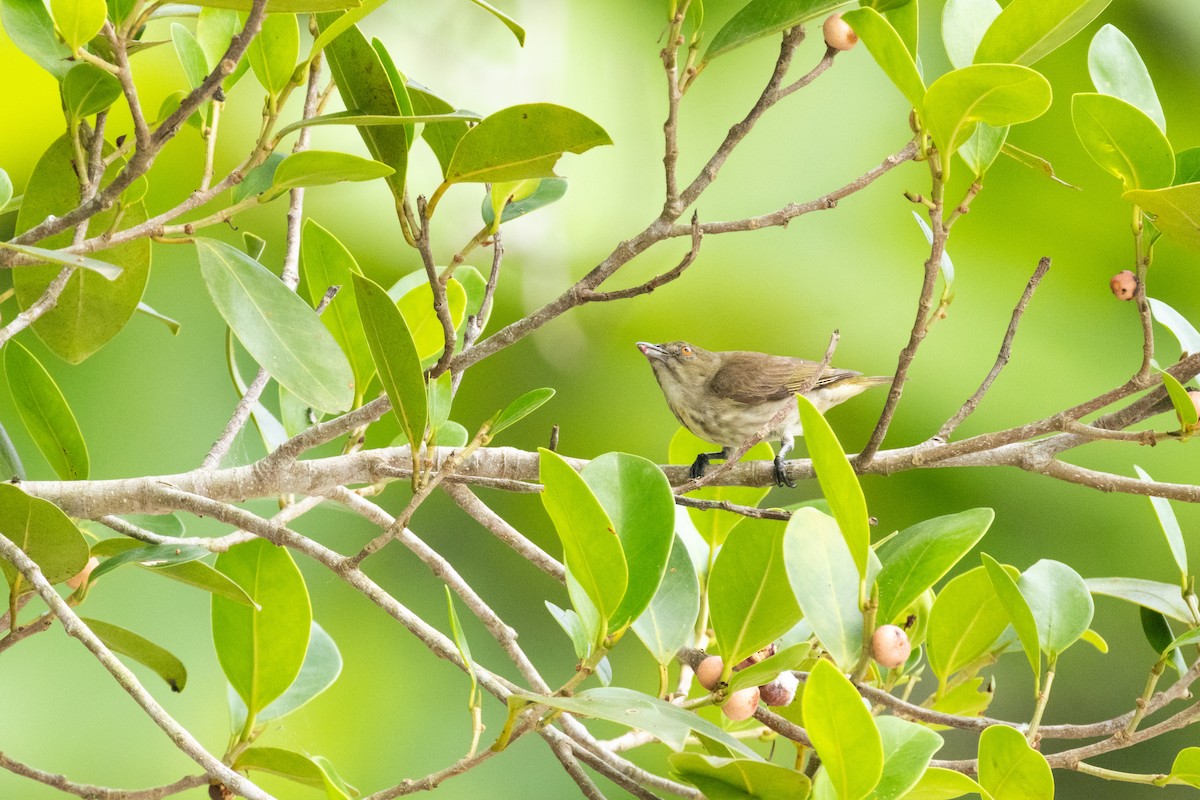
pixel 947 266
pixel 825 580
pixel 261 651
pixel 838 483
pixel 102 268
pixel 416 305
pixel 751 602
pixel 1009 769
pixel 1186 768
pixel 293 766
pixel 443 138
pixel 998 94
pixel 321 667
pixel 1185 409
pixel 544 192
pixel 30 28
pixel 399 88
pixel 907 749
pixel 739 777
pixel 154 555
pixel 842 731
pixel 921 555
pixel 1165 598
pixel 192 573
pixel 985 145
pixel 87 90
pixel 573 626
pixel 943 784
pixel 6 188
pixel 127 643
pixel 46 535
pixel 1187 166
pixel 767 670
pixel 273 52
pixel 591 549
pixel 888 50
pixel 78 20
pixel 91 309
pixel 276 327
pixel 666 722
pixel 1123 141
pixel 365 88
pixel 522 141
pixel 1060 602
pixel 285 6
pixel 192 59
pixel 963 25
pixel 966 620
pixel 669 622
pixel 215 29
pixel 761 18
pixel 1118 70
pixel 905 18
pixel 322 168
pixel 968 699
pixel 1028 30
pixel 395 355
pixel 1167 520
pixel 172 324
pixel 464 649
pixel 715 525
pixel 522 407
pixel 1019 613
pixel 1177 324
pixel 1176 211
pixel 325 262
pixel 46 415
pixel 258 180
pixel 508 21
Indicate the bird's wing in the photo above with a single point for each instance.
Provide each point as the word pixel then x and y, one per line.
pixel 755 378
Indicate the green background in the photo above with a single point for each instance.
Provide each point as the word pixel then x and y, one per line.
pixel 150 403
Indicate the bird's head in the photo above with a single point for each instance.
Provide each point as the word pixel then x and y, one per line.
pixel 680 362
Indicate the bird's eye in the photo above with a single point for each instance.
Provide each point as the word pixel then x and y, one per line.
pixel 685 351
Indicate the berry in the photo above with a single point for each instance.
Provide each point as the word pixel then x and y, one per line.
pixel 838 33
pixel 1195 395
pixel 890 646
pixel 708 672
pixel 781 691
pixel 1124 285
pixel 741 704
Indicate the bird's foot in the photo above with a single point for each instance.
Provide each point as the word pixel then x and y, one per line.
pixel 781 478
pixel 699 465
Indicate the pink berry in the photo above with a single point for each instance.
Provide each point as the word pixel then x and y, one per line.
pixel 890 646
pixel 838 33
pixel 708 672
pixel 741 704
pixel 781 691
pixel 1124 285
pixel 1195 395
pixel 81 578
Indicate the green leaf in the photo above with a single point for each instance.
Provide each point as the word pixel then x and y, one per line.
pixel 29 26
pixel 91 309
pixel 888 50
pixel 396 79
pixel 508 21
pixel 1118 70
pixel 192 59
pixel 107 271
pixel 276 327
pixel 963 25
pixel 78 20
pixel 1095 640
pixel 760 18
pixel 1175 210
pixel 1177 324
pixel 1186 769
pixel 406 121
pixel 261 651
pixel 906 20
pixel 998 94
pixel 155 556
pixel 46 535
pixel 825 581
pixel 273 53
pixel 202 576
pixel 395 357
pixel 10 461
pixel 635 494
pixel 521 408
pixel 985 145
pixel 294 767
pixel 1166 516
pixel 268 425
pixel 259 179
pixel 464 650
pixel 1185 409
pixel 838 482
pixel 326 262
pixel 842 731
pixel 321 667
pixel 670 620
pixel 1019 613
pixel 127 643
pixel 907 748
pixel 921 555
pixel 285 6
pixel 522 141
pixel 365 88
pixel 1187 166
pixel 45 412
pixel 715 525
pixel 751 601
pixel 518 198
pixel 767 670
pixel 739 777
pixel 570 622
pixel 87 90
pixel 591 548
pixel 442 139
pixel 215 29
pixel 1060 602
pixel 1009 769
pixel 1158 633
pixel 1028 30
pixel 322 168
pixel 416 304
pixel 6 188
pixel 172 324
pixel 1166 598
pixel 943 784
pixel 966 620
pixel 1123 141
pixel 666 722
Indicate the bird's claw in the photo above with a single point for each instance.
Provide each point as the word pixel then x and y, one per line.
pixel 698 466
pixel 781 478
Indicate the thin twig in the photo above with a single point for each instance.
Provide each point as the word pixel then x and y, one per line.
pixel 92 792
pixel 491 521
pixel 566 756
pixel 592 296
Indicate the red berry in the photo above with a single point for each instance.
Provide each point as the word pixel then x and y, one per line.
pixel 890 646
pixel 781 691
pixel 708 672
pixel 741 704
pixel 1124 285
pixel 838 33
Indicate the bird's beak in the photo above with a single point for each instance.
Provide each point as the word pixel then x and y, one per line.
pixel 651 351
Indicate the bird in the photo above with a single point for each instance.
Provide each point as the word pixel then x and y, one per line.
pixel 727 397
